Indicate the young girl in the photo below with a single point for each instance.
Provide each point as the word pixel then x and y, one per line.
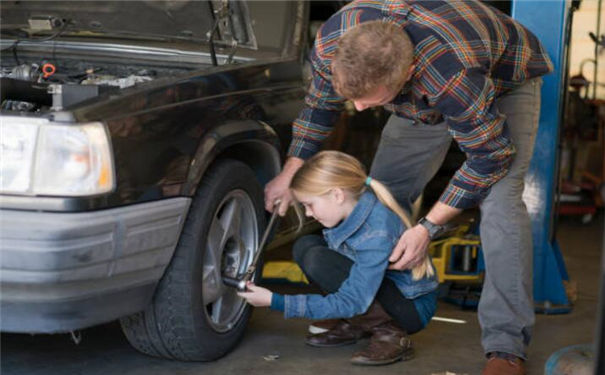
pixel 350 262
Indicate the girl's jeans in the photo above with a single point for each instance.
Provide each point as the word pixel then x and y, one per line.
pixel 328 269
pixel 410 154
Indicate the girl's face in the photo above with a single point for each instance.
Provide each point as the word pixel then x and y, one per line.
pixel 329 209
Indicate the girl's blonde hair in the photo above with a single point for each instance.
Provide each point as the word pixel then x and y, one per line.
pixel 333 169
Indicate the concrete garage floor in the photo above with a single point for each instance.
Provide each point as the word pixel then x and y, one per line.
pixel 441 347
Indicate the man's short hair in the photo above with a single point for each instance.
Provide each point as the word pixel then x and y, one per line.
pixel 369 55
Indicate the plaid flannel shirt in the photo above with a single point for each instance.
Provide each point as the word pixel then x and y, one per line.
pixel 466 55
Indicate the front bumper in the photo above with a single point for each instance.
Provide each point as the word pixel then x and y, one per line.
pixel 65 271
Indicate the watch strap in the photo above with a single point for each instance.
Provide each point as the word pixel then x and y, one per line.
pixel 433 229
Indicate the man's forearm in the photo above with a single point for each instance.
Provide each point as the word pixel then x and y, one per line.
pixel 441 213
pixel 291 165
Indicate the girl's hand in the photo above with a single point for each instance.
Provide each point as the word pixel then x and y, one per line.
pixel 256 296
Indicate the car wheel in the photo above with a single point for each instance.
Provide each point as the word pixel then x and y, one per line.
pixel 194 316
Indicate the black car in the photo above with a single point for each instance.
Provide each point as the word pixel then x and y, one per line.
pixel 136 138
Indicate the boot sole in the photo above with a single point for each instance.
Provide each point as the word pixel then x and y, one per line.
pixel 405 356
pixel 345 343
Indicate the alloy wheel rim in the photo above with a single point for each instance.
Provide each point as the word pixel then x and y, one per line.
pixel 231 243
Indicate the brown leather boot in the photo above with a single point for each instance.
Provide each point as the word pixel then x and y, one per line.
pixel 375 316
pixel 348 331
pixel 344 333
pixel 321 326
pixel 388 344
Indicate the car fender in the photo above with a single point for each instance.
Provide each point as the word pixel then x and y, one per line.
pixel 250 141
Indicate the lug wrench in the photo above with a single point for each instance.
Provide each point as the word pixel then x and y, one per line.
pixel 240 283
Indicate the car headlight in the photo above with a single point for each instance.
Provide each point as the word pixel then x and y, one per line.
pixel 38 157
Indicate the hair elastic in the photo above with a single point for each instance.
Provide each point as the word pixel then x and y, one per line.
pixel 368 181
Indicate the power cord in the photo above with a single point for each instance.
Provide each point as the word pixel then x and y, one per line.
pixel 66 22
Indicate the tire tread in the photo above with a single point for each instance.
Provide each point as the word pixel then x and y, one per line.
pixel 168 328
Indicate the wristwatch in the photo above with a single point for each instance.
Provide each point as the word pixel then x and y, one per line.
pixel 434 229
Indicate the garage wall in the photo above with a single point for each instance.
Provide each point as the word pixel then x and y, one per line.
pixel 582 47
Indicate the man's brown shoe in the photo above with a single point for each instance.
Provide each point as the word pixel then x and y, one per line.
pixel 388 344
pixel 343 333
pixel 503 366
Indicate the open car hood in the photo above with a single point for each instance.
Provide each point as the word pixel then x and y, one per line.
pixel 145 19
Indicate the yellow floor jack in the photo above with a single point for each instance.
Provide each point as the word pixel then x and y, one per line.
pixel 285 271
pixel 459 265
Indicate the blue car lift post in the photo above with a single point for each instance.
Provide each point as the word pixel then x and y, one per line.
pixel 549 21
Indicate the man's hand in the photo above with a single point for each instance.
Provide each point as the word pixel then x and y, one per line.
pixel 256 296
pixel 411 248
pixel 279 187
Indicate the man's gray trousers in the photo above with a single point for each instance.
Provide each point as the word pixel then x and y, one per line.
pixel 410 154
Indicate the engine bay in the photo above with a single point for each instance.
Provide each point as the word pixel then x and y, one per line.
pixel 41 85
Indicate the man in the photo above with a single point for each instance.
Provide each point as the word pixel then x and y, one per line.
pixel 445 69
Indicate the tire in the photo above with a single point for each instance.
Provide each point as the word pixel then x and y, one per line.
pixel 193 316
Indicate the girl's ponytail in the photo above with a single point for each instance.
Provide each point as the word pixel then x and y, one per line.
pixel 384 195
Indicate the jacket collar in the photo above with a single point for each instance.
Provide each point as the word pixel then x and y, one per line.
pixel 396 10
pixel 339 234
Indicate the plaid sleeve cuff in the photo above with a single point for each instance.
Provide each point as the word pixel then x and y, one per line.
pixel 303 153
pixel 309 131
pixel 457 197
pixel 303 148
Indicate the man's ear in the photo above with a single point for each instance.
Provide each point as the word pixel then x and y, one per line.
pixel 410 72
pixel 338 195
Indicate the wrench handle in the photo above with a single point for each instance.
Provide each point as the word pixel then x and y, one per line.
pixel 240 284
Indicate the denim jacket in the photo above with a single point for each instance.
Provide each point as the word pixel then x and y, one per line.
pixel 367 236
